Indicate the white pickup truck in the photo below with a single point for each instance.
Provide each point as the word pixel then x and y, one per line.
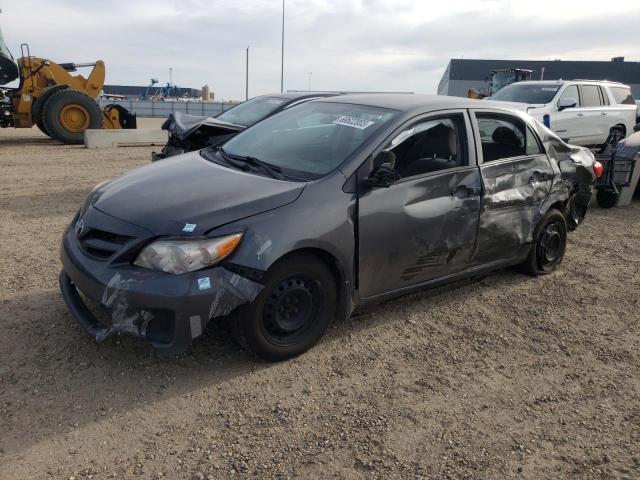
pixel 582 112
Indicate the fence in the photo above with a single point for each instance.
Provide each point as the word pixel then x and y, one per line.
pixel 146 108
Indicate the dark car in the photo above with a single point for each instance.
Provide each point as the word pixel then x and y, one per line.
pixel 316 211
pixel 188 133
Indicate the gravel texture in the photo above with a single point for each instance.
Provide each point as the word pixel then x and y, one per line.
pixel 504 377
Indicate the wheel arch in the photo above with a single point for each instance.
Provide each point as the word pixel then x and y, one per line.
pixel 343 284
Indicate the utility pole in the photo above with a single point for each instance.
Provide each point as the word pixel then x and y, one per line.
pixel 282 54
pixel 310 73
pixel 247 79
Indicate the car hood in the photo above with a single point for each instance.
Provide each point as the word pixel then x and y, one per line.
pixel 181 125
pixel 165 196
pixel 525 107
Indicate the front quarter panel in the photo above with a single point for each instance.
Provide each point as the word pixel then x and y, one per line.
pixel 321 218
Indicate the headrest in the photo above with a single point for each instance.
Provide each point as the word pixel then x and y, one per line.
pixel 506 136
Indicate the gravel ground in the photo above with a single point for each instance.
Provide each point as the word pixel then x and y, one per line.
pixel 505 377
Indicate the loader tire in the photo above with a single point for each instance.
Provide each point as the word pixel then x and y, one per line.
pixel 42 128
pixel 68 113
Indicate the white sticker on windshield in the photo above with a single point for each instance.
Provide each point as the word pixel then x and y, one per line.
pixel 549 89
pixel 354 122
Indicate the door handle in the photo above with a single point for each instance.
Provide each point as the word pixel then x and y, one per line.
pixel 603 113
pixel 580 114
pixel 462 191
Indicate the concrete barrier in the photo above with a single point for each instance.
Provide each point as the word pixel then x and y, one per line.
pixel 105 138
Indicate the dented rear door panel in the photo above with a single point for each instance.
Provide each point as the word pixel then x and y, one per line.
pixel 514 190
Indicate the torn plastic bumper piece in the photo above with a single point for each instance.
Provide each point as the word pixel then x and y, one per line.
pixel 168 311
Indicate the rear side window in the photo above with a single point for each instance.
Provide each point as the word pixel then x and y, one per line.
pixel 590 96
pixel 622 95
pixel 501 137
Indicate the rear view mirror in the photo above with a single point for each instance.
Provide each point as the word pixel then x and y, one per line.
pixel 565 103
pixel 636 127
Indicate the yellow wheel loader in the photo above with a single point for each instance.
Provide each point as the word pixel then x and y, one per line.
pixel 62 105
pixel 499 79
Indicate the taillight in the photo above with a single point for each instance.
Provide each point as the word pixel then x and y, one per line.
pixel 598 169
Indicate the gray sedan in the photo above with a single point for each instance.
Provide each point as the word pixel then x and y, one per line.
pixel 317 211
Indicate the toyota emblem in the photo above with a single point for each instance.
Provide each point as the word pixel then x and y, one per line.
pixel 79 227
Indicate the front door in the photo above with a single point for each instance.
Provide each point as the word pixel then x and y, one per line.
pixel 517 177
pixel 424 225
pixel 569 123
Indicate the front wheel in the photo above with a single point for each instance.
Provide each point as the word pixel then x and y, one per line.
pixel 549 244
pixel 291 313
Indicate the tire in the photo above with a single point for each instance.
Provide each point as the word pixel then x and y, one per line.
pixel 549 245
pixel 42 128
pixel 291 313
pixel 68 113
pixel 607 198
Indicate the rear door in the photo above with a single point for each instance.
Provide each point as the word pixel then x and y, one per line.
pixel 594 116
pixel 517 177
pixel 424 225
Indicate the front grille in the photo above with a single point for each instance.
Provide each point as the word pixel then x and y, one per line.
pixel 101 244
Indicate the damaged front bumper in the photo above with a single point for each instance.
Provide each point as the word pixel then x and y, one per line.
pixel 169 311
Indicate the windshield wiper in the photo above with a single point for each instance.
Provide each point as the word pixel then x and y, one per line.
pixel 271 170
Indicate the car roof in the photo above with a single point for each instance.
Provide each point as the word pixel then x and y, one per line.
pixel 298 95
pixel 569 80
pixel 406 102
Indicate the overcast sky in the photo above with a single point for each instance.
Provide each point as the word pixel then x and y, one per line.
pixel 390 45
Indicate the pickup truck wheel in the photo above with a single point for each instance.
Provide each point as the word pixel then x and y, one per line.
pixel 291 313
pixel 549 244
pixel 607 198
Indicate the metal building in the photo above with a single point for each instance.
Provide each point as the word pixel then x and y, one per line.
pixel 464 74
pixel 135 92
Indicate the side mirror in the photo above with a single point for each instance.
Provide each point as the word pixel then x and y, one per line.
pixel 565 103
pixel 636 127
pixel 383 177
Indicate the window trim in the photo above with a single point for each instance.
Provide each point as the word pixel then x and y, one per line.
pixel 478 141
pixel 472 156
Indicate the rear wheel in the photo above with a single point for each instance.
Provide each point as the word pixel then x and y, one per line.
pixel 68 113
pixel 549 244
pixel 292 312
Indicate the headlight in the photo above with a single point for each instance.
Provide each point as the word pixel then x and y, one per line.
pixel 182 255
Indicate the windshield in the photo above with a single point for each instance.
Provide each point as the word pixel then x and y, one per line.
pixel 252 111
pixel 311 139
pixel 527 93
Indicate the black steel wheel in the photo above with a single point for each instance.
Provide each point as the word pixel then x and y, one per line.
pixel 607 198
pixel 291 313
pixel 550 243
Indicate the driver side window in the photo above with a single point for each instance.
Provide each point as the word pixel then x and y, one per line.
pixel 429 146
pixel 571 92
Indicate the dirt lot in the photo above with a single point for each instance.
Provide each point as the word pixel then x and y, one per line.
pixel 507 377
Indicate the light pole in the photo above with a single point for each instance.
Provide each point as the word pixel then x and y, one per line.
pixel 247 77
pixel 310 73
pixel 282 54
